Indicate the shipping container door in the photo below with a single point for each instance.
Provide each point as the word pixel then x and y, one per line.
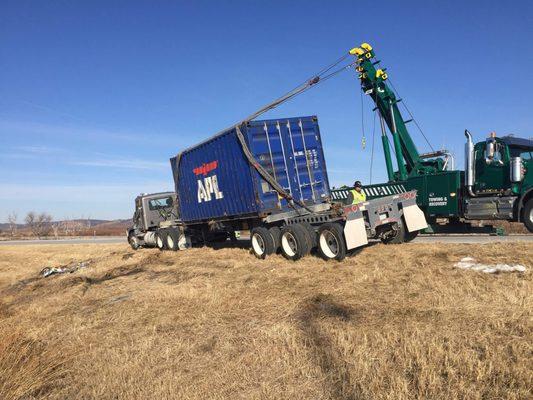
pixel 290 150
pixel 307 159
pixel 268 147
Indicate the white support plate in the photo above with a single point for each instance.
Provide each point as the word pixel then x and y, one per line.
pixel 355 233
pixel 414 218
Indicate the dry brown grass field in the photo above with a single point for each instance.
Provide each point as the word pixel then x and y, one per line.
pixel 393 322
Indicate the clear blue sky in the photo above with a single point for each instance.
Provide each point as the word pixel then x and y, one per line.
pixel 95 96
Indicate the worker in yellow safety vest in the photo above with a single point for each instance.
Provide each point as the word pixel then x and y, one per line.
pixel 356 195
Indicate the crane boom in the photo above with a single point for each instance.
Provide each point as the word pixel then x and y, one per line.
pixel 373 83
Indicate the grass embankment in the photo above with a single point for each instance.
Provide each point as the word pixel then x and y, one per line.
pixel 393 322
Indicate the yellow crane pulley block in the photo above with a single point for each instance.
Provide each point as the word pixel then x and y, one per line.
pixel 381 74
pixel 357 51
pixel 366 46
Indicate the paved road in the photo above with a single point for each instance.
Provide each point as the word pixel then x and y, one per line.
pixel 89 240
pixel 480 239
pixel 472 239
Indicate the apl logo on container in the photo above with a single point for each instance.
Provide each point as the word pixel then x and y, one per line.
pixel 207 186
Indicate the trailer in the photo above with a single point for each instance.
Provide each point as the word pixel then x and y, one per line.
pixel 270 178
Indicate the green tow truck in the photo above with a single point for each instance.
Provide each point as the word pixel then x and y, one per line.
pixel 497 183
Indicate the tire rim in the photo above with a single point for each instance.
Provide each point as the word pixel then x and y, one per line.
pixel 258 244
pixel 329 244
pixel 289 244
pixel 159 242
pixel 170 242
pixel 531 215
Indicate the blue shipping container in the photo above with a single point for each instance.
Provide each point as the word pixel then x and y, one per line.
pixel 214 180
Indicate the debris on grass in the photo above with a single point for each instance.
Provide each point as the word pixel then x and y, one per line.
pixel 70 268
pixel 470 263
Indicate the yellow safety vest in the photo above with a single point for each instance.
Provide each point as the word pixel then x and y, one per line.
pixel 358 197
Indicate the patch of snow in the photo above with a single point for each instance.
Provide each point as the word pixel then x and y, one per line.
pixel 471 264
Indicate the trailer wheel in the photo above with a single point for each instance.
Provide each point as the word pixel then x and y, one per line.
pixel 173 238
pixel 160 239
pixel 397 237
pixel 275 232
pixel 528 215
pixel 262 242
pixel 331 243
pixel 312 234
pixel 295 242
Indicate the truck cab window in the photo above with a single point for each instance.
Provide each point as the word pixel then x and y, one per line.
pixel 159 204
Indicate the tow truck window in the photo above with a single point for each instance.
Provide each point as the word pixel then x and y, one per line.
pixel 526 155
pixel 518 152
pixel 158 204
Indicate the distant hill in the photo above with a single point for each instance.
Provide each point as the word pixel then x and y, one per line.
pixel 78 227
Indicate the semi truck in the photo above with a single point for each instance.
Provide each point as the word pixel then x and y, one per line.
pixel 267 177
pixel 496 184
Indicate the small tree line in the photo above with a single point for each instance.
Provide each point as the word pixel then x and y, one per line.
pixel 42 225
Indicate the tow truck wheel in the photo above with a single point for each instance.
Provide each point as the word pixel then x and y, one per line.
pixel 173 238
pixel 528 215
pixel 160 239
pixel 262 242
pixel 295 242
pixel 396 236
pixel 331 244
pixel 409 236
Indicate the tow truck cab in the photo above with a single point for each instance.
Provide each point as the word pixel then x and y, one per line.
pixel 499 179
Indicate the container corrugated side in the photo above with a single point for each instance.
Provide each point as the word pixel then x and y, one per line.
pixel 214 181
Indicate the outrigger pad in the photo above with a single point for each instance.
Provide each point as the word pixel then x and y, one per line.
pixel 414 218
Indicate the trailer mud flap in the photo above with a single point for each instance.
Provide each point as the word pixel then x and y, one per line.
pixel 414 218
pixel 355 231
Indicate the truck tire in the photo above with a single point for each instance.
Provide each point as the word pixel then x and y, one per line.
pixel 295 242
pixel 528 215
pixel 262 242
pixel 409 236
pixel 398 238
pixel 275 232
pixel 331 243
pixel 134 243
pixel 173 238
pixel 161 239
pixel 313 236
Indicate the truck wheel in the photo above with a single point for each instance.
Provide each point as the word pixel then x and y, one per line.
pixel 262 242
pixel 396 237
pixel 160 239
pixel 312 234
pixel 295 242
pixel 173 238
pixel 409 236
pixel 134 243
pixel 528 215
pixel 331 243
pixel 275 232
